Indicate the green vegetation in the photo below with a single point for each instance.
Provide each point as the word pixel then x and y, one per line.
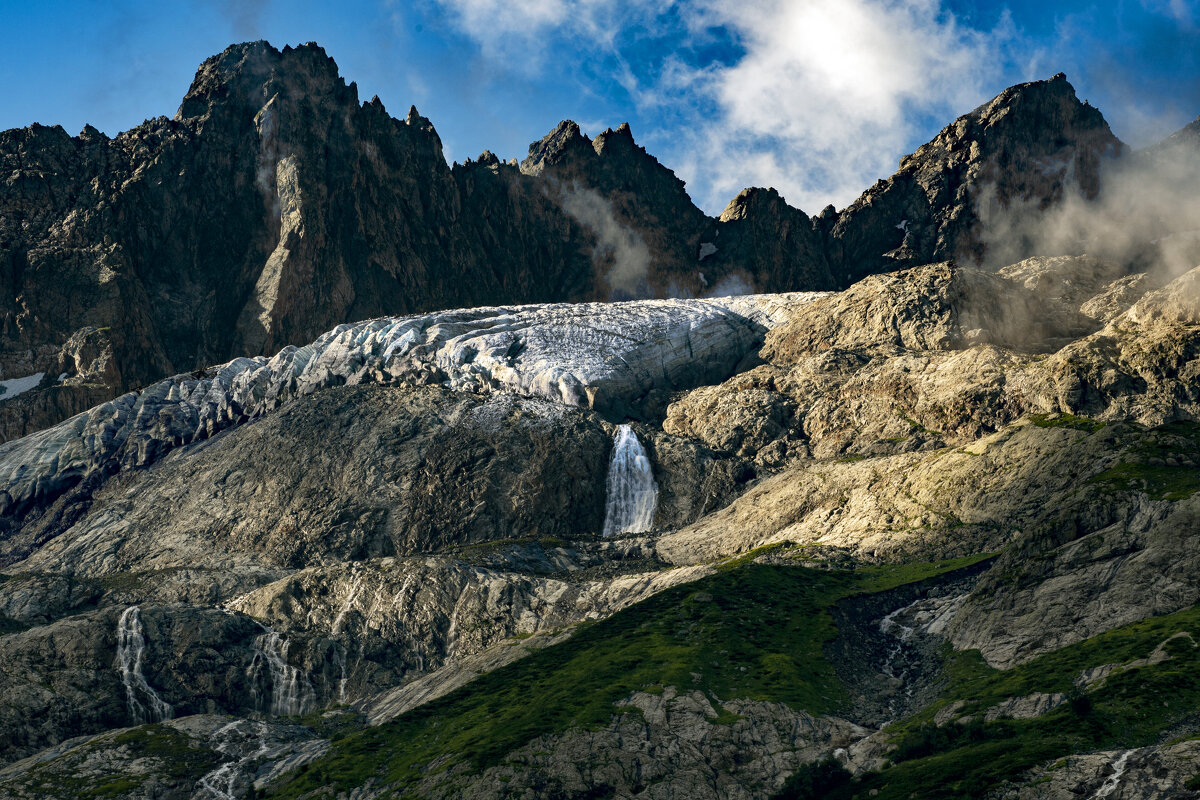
pixel 176 757
pixel 180 755
pixel 918 427
pixel 814 781
pixel 751 631
pixel 1159 482
pixel 1158 464
pixel 1085 424
pixel 1125 710
pixel 758 631
pixel 888 576
pixel 751 555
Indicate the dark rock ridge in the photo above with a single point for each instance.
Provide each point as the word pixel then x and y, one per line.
pixel 275 205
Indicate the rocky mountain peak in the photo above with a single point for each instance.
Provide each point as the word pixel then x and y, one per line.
pixel 1184 143
pixel 1040 121
pixel 246 76
pixel 556 147
pixel 622 137
pixel 1030 144
pixel 756 200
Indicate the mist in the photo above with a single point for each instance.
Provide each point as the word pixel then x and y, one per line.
pixel 619 248
pixel 1146 215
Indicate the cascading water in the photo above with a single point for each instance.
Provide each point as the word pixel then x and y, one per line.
pixel 291 692
pixel 222 782
pixel 1114 780
pixel 131 646
pixel 632 492
pixel 902 633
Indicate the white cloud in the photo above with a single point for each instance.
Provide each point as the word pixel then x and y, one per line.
pixel 1182 11
pixel 828 95
pixel 823 100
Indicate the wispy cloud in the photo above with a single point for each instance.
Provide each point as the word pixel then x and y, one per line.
pixel 818 100
pixel 519 34
pixel 245 16
pixel 1182 11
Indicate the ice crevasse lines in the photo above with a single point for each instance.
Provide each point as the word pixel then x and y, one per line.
pixel 586 354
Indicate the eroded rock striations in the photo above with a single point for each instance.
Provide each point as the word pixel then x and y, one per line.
pixel 947 515
pixel 275 205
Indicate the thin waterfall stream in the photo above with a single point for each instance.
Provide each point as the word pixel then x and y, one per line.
pixel 632 492
pixel 144 703
pixel 291 691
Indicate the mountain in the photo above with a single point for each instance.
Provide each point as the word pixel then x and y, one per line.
pixel 944 512
pixel 927 529
pixel 275 205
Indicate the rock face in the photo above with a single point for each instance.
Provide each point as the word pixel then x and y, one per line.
pixel 708 762
pixel 940 355
pixel 947 511
pixel 275 205
pixel 985 161
pixel 409 505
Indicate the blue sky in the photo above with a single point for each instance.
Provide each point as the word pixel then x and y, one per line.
pixel 816 98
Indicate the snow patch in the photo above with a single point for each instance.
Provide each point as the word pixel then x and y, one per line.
pixel 15 386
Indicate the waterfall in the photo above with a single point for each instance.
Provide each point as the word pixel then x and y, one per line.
pixel 131 646
pixel 902 633
pixel 1113 781
pixel 222 782
pixel 291 692
pixel 632 492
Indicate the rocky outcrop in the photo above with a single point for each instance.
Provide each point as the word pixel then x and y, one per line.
pixel 65 679
pixel 275 205
pixel 1148 773
pixel 1030 145
pixel 941 355
pixel 408 471
pixel 646 228
pixel 399 620
pixel 706 760
pixel 199 756
pixel 1143 364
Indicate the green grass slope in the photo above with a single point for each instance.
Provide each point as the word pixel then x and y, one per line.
pixel 753 631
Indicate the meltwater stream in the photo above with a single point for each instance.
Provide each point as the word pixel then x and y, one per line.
pixel 632 492
pixel 291 691
pixel 131 646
